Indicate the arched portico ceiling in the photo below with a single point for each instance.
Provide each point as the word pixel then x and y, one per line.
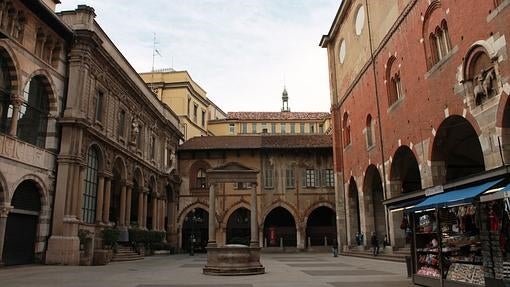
pixel 232 172
pixel 405 170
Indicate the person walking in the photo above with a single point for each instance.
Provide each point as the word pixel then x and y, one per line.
pixel 335 248
pixel 375 243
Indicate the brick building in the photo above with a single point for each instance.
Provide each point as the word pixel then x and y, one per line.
pixel 419 98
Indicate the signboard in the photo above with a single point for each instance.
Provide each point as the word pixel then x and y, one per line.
pixel 434 190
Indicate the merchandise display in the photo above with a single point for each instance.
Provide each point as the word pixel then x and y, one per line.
pixel 427 246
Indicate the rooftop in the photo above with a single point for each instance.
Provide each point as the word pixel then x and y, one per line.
pixel 258 142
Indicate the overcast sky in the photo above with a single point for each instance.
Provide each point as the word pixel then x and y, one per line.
pixel 240 51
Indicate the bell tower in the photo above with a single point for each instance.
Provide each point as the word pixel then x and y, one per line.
pixel 285 101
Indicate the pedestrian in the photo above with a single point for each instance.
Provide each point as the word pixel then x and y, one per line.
pixel 358 239
pixel 385 241
pixel 335 248
pixel 375 243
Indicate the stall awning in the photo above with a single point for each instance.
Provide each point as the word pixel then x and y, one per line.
pixel 500 193
pixel 403 205
pixel 455 196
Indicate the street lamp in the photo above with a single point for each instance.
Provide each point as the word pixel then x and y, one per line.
pixel 193 219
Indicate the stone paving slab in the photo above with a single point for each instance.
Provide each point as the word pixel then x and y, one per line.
pixel 344 272
pixel 192 265
pixel 202 285
pixel 372 284
pixel 319 265
pixel 301 260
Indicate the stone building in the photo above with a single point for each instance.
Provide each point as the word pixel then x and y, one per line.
pixel 419 96
pixel 33 67
pixel 295 190
pixel 284 122
pixel 116 162
pixel 184 96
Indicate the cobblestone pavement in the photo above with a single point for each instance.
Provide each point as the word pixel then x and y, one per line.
pixel 296 270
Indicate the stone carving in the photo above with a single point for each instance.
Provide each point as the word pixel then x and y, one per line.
pixel 135 130
pixel 484 85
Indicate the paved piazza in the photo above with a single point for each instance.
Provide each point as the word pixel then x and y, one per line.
pixel 300 269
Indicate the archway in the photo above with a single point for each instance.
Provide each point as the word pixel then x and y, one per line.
pixel 404 177
pixel 505 132
pixel 22 221
pixel 354 210
pixel 195 227
pixel 374 209
pixel 456 150
pixel 238 227
pixel 116 189
pixel 280 227
pixel 321 227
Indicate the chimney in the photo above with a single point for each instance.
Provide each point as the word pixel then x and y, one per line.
pixel 52 4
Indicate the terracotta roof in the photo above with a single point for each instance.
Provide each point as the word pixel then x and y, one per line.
pixel 267 116
pixel 258 142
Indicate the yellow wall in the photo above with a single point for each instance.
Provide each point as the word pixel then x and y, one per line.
pixel 223 127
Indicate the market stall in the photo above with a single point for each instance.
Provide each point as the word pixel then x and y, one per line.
pixel 447 247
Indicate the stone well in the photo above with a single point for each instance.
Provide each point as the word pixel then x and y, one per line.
pixel 233 259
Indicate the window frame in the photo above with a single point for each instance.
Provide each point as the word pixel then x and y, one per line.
pixel 89 202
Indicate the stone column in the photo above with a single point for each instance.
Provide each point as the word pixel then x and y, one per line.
pixel 129 189
pixel 107 195
pixel 80 187
pixel 145 196
pixel 254 231
pixel 122 215
pixel 154 212
pixel 140 208
pixel 4 212
pixel 100 198
pixel 212 220
pixel 16 104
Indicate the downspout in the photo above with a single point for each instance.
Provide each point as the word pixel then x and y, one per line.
pixel 379 117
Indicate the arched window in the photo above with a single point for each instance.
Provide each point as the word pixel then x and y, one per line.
pixel 369 131
pixel 201 179
pixel 393 83
pixel 33 115
pixel 91 185
pixel 5 98
pixel 440 44
pixel 346 129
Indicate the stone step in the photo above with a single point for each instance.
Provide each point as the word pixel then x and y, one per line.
pixel 125 253
pixel 380 256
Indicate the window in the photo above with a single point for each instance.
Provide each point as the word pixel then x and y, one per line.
pixel 152 148
pixel 203 118
pixel 121 127
pixel 169 156
pixel 244 128
pixel 439 41
pixel 302 128
pixel 360 20
pixel 195 112
pixel 312 128
pixel 273 128
pixel 282 128
pixel 99 106
pixel 346 130
pixel 342 51
pixel 321 128
pixel 292 128
pixel 231 128
pixel 189 107
pixel 139 139
pixel 290 178
pixel 201 179
pixel 310 178
pixel 33 114
pixel 5 96
pixel 264 130
pixel 369 131
pixel 254 128
pixel 329 178
pixel 393 83
pixel 91 186
pixel 268 177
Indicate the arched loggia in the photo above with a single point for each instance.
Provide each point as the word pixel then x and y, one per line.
pixel 280 228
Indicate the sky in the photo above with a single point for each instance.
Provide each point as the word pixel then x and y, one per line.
pixel 242 52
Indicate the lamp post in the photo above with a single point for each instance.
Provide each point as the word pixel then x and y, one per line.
pixel 193 219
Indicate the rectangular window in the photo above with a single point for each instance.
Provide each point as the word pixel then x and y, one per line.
pixel 99 107
pixel 282 128
pixel 273 128
pixel 121 127
pixel 321 128
pixel 139 139
pixel 310 178
pixel 329 178
pixel 231 128
pixel 195 113
pixel 254 128
pixel 312 128
pixel 203 118
pixel 264 131
pixel 241 185
pixel 302 128
pixel 169 156
pixel 268 177
pixel 244 129
pixel 292 128
pixel 289 178
pixel 189 107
